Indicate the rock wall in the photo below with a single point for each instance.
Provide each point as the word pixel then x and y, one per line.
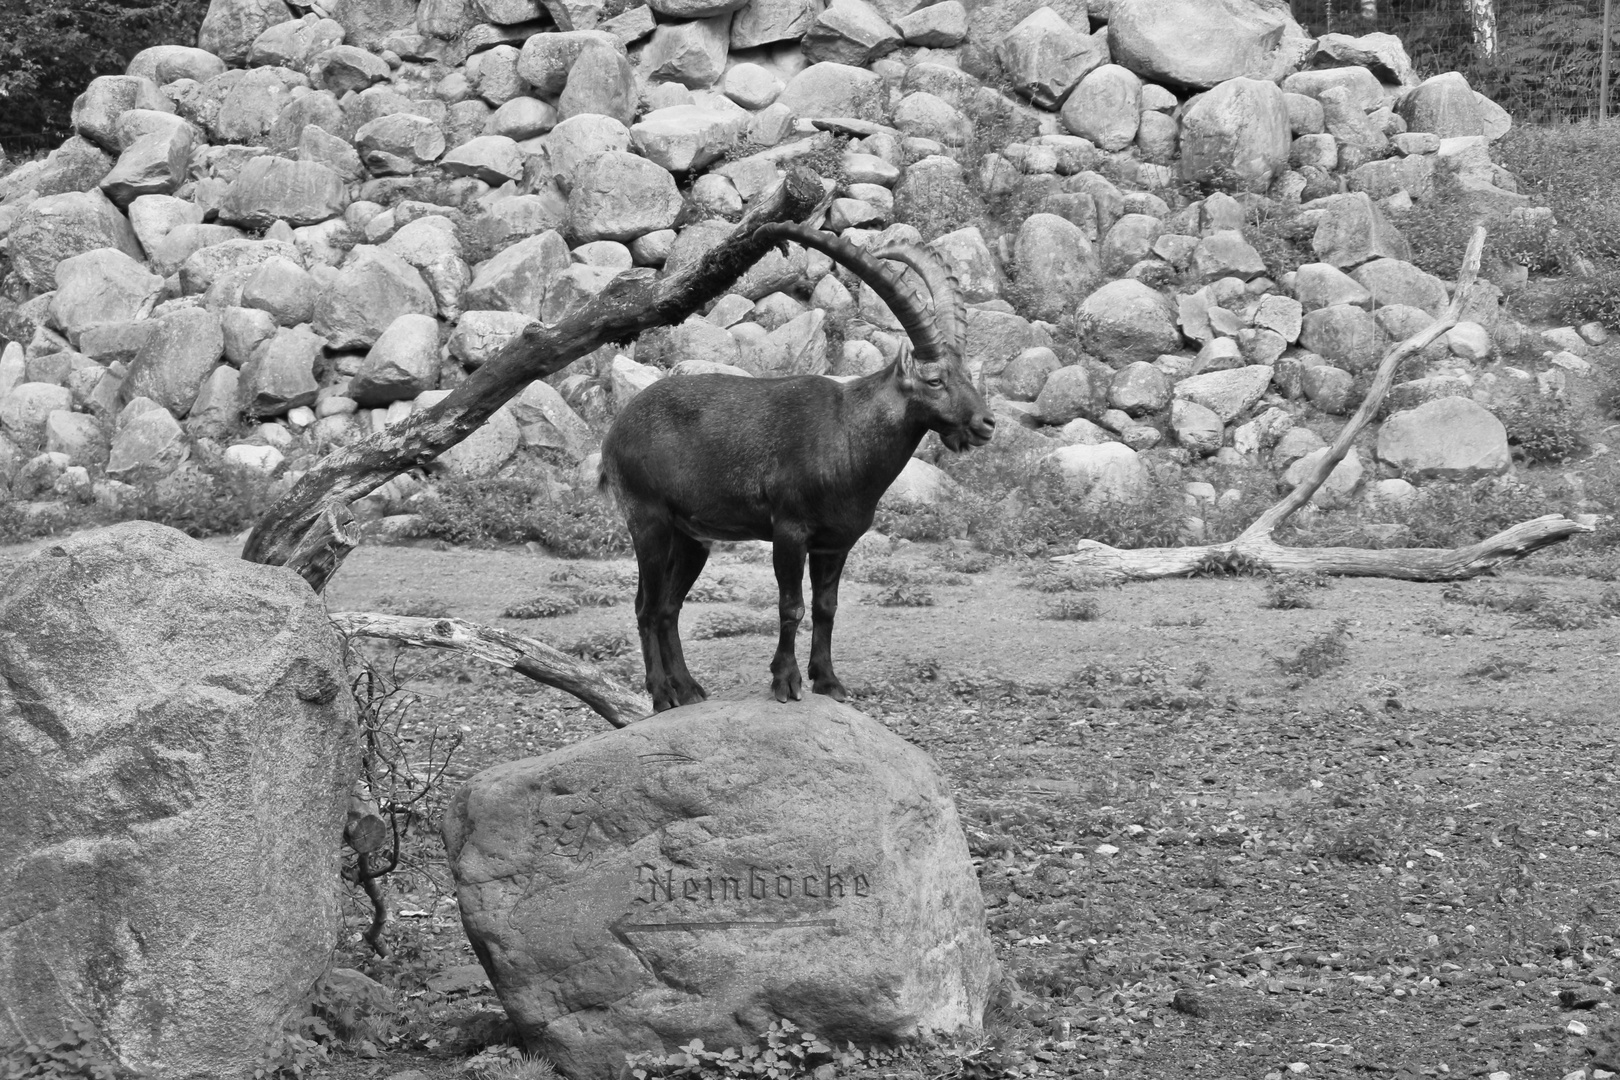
pixel 325 214
pixel 177 748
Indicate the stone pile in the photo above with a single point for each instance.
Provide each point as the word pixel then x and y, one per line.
pixel 325 214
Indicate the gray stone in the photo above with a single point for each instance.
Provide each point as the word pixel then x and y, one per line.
pixel 1363 90
pixel 600 82
pixel 764 22
pixel 512 219
pixel 164 64
pixel 1305 115
pixel 849 32
pixel 183 346
pixel 153 164
pixel 343 68
pixel 521 118
pixel 283 289
pixel 494 159
pixel 1280 314
pixel 1228 394
pixel 1450 438
pixel 1104 475
pixel 494 75
pixel 57 227
pixel 147 446
pixel 216 410
pixel 1130 240
pixel 1394 281
pixel 547 424
pixel 1383 54
pixel 838 90
pixel 1196 426
pixel 517 278
pixel 1224 254
pixel 547 58
pixel 482 453
pixel 1353 230
pixel 1444 105
pixel 1200 43
pixel 1071 392
pixel 78 437
pixel 402 364
pixel 432 246
pixel 1236 134
pixel 579 138
pixel 1026 373
pixel 1158 137
pixel 230 26
pixel 1346 336
pixel 1340 485
pixel 1054 262
pixel 691 53
pixel 1139 389
pixel 938 26
pixel 370 23
pixel 399 144
pixel 480 334
pixel 27 405
pixel 281 374
pixel 96 111
pixel 223 258
pixel 101 286
pixel 684 138
pixel 927 116
pixel 270 189
pixel 153 216
pixel 1328 388
pixel 249 108
pixel 371 289
pixel 1125 321
pixel 294 44
pixel 1045 57
pixel 910 953
pixel 1319 285
pixel 619 196
pixel 112 678
pixel 1105 107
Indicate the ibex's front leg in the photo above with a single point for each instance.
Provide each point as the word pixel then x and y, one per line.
pixel 787 555
pixel 825 570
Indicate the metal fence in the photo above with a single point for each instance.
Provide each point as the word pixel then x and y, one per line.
pixel 1545 65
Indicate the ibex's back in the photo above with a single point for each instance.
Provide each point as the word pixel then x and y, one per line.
pixel 730 457
pixel 801 462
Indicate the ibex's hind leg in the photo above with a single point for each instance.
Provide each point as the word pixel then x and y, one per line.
pixel 825 570
pixel 652 536
pixel 686 559
pixel 787 555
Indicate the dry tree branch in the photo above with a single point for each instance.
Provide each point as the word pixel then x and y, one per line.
pixel 1254 548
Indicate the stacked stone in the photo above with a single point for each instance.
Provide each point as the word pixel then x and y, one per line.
pixel 311 225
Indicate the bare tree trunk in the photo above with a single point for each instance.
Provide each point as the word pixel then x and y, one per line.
pixel 1603 73
pixel 1369 10
pixel 311 528
pixel 1254 549
pixel 1482 18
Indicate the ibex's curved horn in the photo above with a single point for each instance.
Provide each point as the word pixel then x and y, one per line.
pixel 950 310
pixel 915 314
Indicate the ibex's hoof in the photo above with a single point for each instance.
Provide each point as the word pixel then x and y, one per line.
pixel 692 693
pixel 831 687
pixel 788 686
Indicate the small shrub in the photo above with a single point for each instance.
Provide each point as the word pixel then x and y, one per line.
pixel 79 1052
pixel 1496 667
pixel 724 624
pixel 543 606
pixel 421 607
pixel 577 524
pixel 1293 591
pixel 719 590
pixel 1321 654
pixel 905 594
pixel 1073 609
pixel 1063 579
pixel 783 1053
pixel 1545 429
pixel 509 1063
pixel 599 645
pixel 963 562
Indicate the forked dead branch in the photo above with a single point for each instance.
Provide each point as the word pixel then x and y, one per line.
pixel 1254 548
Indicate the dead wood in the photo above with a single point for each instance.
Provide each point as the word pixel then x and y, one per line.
pixel 1255 550
pixel 310 529
pixel 612 700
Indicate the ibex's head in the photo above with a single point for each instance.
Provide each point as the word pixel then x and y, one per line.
pixel 934 376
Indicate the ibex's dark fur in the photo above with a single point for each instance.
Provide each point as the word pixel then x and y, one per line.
pixel 800 461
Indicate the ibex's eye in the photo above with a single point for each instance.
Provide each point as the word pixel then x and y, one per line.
pixel 934 381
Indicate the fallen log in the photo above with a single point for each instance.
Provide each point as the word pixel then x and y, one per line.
pixel 612 700
pixel 1254 549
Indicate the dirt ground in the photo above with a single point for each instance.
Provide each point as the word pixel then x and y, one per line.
pixel 1196 862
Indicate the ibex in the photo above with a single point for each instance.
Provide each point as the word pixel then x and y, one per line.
pixel 799 461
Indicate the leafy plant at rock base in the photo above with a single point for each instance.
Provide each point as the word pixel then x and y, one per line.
pixel 1293 591
pixel 1545 429
pixel 79 1053
pixel 292 1055
pixel 784 1053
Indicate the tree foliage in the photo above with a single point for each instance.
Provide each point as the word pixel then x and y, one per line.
pixel 51 49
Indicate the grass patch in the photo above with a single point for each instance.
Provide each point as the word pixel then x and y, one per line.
pixel 1073 609
pixel 1293 591
pixel 543 606
pixel 575 525
pixel 599 645
pixel 725 624
pixel 1320 655
pixel 904 594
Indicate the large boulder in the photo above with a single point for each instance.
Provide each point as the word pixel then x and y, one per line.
pixel 372 289
pixel 829 89
pixel 1351 229
pixel 1236 135
pixel 1345 335
pixel 58 227
pixel 178 742
pixel 96 111
pixel 619 196
pixel 1106 107
pixel 1054 262
pixel 99 287
pixel 1199 43
pixel 1102 474
pixel 1045 57
pixel 812 860
pixel 1450 438
pixel 273 188
pixel 230 26
pixel 1444 105
pixel 1228 394
pixel 182 348
pixel 1125 321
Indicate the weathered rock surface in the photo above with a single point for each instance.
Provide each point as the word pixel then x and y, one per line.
pixel 704 814
pixel 1200 43
pixel 1126 320
pixel 152 880
pixel 1451 438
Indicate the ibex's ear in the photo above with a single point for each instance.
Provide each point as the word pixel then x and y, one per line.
pixel 905 365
